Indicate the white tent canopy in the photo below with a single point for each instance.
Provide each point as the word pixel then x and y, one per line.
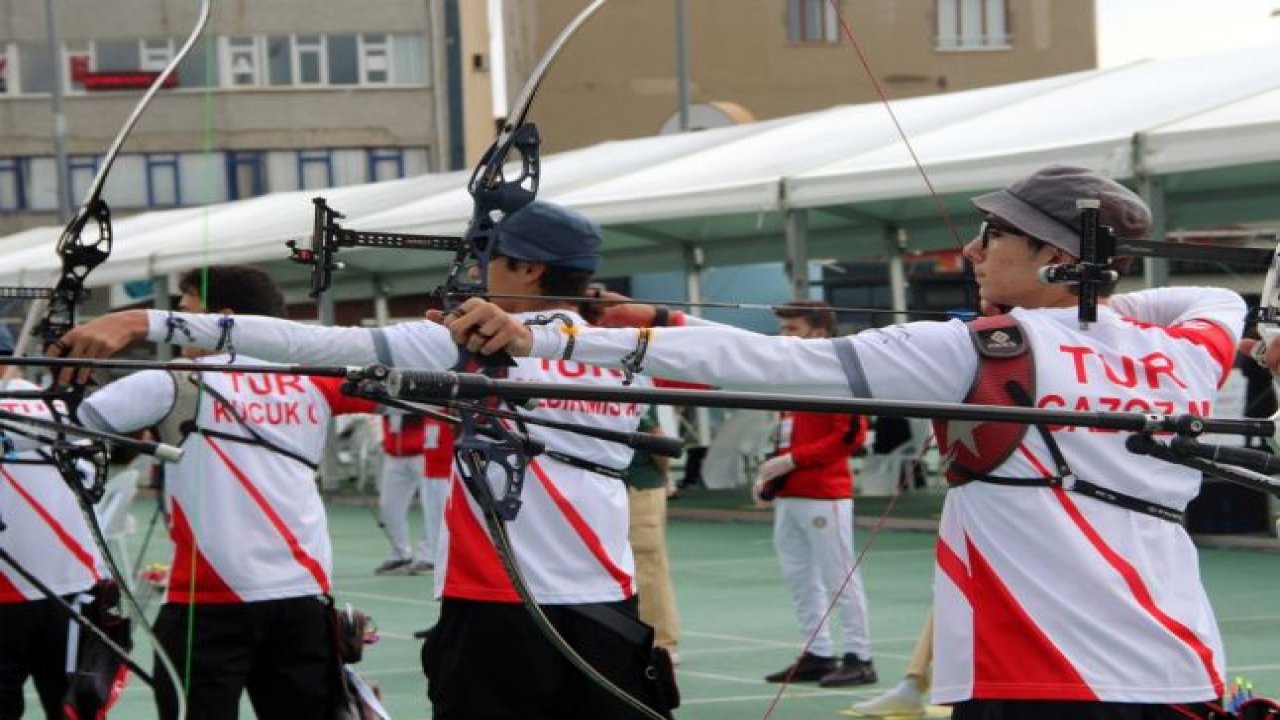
pixel 1208 128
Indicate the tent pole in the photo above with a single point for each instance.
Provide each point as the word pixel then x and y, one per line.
pixel 896 239
pixel 797 237
pixel 693 263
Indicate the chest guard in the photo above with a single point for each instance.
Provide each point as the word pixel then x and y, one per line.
pixel 179 422
pixel 1005 376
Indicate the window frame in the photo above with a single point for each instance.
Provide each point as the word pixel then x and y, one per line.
pixel 229 48
pixel 798 31
pixel 995 33
pixel 20 168
pixel 321 49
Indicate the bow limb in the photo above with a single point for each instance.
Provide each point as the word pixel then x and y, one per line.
pixel 49 318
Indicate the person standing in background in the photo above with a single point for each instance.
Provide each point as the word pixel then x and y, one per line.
pixel 648 486
pixel 437 466
pixel 403 441
pixel 810 478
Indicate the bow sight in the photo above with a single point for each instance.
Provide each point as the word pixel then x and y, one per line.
pixel 327 236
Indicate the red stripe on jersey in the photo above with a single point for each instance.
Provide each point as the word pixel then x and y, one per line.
pixel 205 585
pixel 1140 592
pixel 1013 658
pixel 82 556
pixel 1035 462
pixel 339 403
pixel 474 570
pixel 1208 335
pixel 584 531
pixel 954 568
pixel 9 592
pixel 295 548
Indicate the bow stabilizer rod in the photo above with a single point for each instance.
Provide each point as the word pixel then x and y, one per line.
pixel 437 386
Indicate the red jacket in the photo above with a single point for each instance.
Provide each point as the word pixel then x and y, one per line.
pixel 438 456
pixel 405 442
pixel 820 444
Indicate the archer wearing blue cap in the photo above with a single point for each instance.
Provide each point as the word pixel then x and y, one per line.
pixel 543 250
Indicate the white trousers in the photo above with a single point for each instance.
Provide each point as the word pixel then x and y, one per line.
pixel 400 478
pixel 814 542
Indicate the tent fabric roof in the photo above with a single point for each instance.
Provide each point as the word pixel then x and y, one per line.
pixel 1194 117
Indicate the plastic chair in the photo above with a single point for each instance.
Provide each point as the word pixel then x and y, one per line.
pixel 116 521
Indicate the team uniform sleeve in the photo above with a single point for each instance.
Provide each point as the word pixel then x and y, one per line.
pixel 340 403
pixel 1210 317
pixel 131 403
pixel 1174 305
pixel 916 361
pixel 420 344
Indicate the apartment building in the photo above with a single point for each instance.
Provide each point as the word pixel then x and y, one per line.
pixel 761 59
pixel 277 95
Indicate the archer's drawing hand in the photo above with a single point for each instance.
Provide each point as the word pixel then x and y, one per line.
pixel 99 338
pixel 480 326
pixel 624 313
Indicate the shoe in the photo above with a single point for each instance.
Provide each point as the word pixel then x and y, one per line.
pixel 392 567
pixel 419 567
pixel 852 671
pixel 902 701
pixel 807 668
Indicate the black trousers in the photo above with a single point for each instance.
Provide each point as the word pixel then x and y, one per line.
pixel 33 644
pixel 280 651
pixel 1069 710
pixel 488 661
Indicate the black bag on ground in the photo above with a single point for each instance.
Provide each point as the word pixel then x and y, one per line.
pixel 100 673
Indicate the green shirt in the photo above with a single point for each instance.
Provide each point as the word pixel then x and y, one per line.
pixel 643 473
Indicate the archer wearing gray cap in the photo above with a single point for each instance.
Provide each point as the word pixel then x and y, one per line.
pixel 1043 206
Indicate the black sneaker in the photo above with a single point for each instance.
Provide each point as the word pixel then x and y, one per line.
pixel 807 668
pixel 852 671
pixel 392 567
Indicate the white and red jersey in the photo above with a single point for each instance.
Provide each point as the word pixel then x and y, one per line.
pixel 1040 593
pixel 570 536
pixel 248 523
pixel 45 529
pixel 437 454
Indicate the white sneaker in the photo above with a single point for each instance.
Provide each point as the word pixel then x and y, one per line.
pixel 902 701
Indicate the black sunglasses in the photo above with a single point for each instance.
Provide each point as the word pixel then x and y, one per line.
pixel 993 225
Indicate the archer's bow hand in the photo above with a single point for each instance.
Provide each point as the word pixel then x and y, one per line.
pixel 99 338
pixel 482 327
pixel 1264 353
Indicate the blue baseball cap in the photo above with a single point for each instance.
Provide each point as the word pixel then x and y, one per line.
pixel 552 234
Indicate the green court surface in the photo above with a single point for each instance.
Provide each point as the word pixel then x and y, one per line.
pixel 736 616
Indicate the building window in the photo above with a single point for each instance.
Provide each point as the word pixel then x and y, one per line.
pixel 315 169
pixel 973 25
pixel 375 59
pixel 164 183
pixel 81 169
pixel 812 21
pixel 242 61
pixel 385 164
pixel 13 183
pixel 8 77
pixel 245 175
pixel 155 54
pixel 343 60
pixel 309 60
pixel 77 59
